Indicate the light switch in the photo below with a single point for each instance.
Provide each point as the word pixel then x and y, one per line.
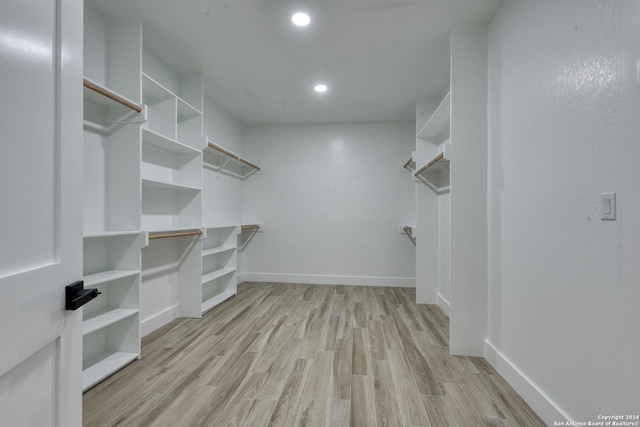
pixel 608 208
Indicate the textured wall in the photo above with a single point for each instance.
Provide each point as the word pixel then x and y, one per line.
pixel 332 198
pixel 555 107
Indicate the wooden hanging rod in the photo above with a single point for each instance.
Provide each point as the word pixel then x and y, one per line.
pixel 433 161
pixel 232 155
pixel 176 234
pixel 111 95
pixel 249 227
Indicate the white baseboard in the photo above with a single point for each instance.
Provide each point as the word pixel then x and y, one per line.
pixel 157 321
pixel 398 282
pixel 443 304
pixel 542 404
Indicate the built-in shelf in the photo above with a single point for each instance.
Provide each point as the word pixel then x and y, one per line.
pixel 217 274
pixel 168 185
pixel 436 130
pixel 217 300
pixel 217 250
pixel 441 160
pixel 154 139
pixel 105 97
pixel 226 157
pixel 105 365
pixel 106 317
pixel 107 276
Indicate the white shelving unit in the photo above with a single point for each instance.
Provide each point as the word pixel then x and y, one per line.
pixel 111 154
pixel 111 321
pixel 219 265
pixel 144 160
pixel 172 142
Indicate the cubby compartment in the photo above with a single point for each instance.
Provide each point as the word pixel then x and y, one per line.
pixel 108 349
pixel 118 299
pixel 161 107
pixel 190 126
pixel 170 206
pixel 219 238
pixel 219 264
pixel 216 291
pixel 174 96
pixel 111 257
pixel 170 163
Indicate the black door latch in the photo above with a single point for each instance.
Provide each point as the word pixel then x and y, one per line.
pixel 76 295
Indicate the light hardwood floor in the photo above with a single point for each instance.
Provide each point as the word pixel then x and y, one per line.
pixel 288 355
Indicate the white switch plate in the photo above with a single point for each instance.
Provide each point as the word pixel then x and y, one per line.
pixel 608 206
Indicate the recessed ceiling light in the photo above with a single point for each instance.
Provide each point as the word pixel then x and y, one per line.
pixel 300 19
pixel 320 88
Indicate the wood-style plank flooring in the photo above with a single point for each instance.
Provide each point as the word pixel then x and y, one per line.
pixel 289 355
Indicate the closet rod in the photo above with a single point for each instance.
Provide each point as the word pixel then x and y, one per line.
pixel 409 232
pixel 408 163
pixel 111 95
pixel 436 159
pixel 176 234
pixel 232 155
pixel 249 227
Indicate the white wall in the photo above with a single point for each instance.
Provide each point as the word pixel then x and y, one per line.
pixel 332 198
pixel 631 207
pixel 555 322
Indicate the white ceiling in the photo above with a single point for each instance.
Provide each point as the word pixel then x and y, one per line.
pixel 377 56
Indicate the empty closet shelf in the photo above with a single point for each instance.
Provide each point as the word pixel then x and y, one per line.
pixel 168 185
pixel 217 300
pixel 217 250
pixel 154 139
pixel 105 318
pixel 104 365
pixel 217 274
pixel 107 276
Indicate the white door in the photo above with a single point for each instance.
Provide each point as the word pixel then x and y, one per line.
pixel 40 211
